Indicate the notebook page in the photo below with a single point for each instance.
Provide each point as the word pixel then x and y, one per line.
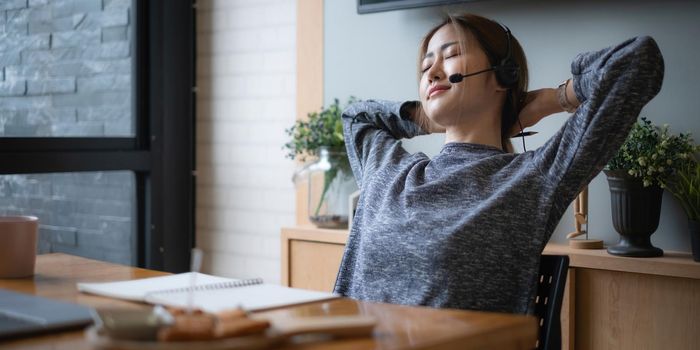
pixel 136 290
pixel 256 297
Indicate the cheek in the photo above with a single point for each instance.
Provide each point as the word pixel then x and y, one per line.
pixel 422 88
pixel 454 66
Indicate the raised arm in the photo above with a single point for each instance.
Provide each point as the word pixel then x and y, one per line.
pixel 542 103
pixel 372 132
pixel 612 86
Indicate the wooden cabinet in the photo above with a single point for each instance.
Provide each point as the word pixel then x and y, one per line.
pixel 311 257
pixel 631 303
pixel 610 302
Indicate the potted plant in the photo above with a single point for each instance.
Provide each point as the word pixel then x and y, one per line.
pixel 637 175
pixel 329 177
pixel 685 186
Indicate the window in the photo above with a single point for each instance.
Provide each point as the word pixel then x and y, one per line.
pixel 90 214
pixel 94 96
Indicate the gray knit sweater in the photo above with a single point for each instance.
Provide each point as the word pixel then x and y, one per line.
pixel 466 228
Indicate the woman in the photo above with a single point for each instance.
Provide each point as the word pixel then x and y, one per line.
pixel 466 228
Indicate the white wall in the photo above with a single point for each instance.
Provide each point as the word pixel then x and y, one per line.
pixel 246 64
pixel 374 56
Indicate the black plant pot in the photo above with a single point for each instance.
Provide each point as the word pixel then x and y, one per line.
pixel 694 228
pixel 635 212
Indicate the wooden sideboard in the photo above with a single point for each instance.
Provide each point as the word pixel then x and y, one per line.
pixel 610 302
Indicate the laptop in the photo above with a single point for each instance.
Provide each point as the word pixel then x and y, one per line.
pixel 23 314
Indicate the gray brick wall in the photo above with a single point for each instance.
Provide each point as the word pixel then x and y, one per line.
pixel 74 53
pixel 87 214
pixel 65 70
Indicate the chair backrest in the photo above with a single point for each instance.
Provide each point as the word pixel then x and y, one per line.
pixel 550 292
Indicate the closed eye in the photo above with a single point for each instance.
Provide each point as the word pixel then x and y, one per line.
pixel 447 56
pixel 452 54
pixel 451 48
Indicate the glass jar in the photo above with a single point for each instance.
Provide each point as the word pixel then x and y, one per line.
pixel 330 183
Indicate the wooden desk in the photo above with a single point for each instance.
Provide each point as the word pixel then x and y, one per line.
pixel 399 327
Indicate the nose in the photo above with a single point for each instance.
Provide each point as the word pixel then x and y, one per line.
pixel 435 73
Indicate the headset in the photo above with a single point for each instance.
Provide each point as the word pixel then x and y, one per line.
pixel 507 71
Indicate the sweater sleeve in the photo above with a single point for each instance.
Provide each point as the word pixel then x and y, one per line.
pixel 613 85
pixel 372 130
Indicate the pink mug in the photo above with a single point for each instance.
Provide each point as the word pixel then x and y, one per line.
pixel 18 237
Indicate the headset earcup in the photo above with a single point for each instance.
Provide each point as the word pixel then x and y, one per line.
pixel 507 73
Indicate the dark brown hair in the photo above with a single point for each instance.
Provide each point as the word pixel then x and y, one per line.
pixel 493 40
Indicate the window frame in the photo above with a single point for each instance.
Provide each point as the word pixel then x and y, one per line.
pixel 161 153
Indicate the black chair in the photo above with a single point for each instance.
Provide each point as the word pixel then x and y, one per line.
pixel 550 292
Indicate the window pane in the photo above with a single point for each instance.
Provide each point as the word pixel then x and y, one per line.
pixel 66 68
pixel 89 214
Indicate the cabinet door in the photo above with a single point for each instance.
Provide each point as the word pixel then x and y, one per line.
pixel 314 265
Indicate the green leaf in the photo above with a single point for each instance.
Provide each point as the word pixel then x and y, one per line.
pixel 652 154
pixel 323 128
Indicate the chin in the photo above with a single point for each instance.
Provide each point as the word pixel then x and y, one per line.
pixel 442 106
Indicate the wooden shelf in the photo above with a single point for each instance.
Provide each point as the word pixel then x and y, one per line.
pixel 672 264
pixel 311 233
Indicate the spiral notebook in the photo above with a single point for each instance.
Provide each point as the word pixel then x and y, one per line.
pixel 211 293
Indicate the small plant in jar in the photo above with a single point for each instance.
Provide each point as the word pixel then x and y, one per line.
pixel 330 181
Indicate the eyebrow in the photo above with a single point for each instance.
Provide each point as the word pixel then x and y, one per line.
pixel 442 48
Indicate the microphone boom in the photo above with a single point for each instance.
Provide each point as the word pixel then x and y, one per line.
pixel 458 77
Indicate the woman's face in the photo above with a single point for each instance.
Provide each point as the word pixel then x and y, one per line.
pixel 443 102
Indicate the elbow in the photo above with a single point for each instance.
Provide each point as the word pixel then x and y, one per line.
pixel 641 60
pixel 352 110
pixel 650 64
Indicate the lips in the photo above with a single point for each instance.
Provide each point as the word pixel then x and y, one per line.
pixel 437 89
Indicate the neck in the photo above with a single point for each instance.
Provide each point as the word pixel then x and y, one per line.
pixel 485 131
